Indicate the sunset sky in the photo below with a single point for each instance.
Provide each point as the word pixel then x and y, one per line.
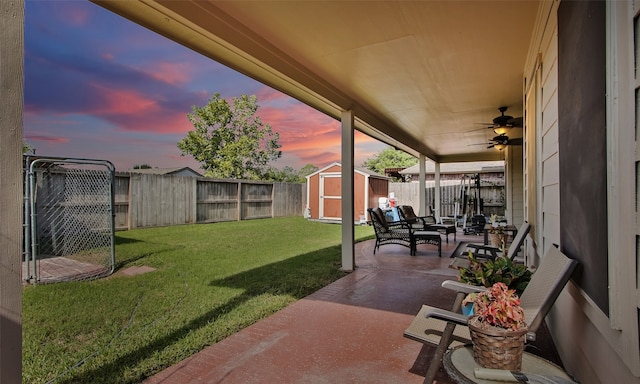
pixel 98 86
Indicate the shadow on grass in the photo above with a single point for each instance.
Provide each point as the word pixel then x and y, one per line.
pixel 297 277
pixel 120 264
pixel 125 240
pixel 127 261
pixel 114 372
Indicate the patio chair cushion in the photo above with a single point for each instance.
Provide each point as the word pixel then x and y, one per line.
pixel 407 214
pixel 382 219
pixel 429 330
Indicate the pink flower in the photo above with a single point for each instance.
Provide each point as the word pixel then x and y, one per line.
pixel 500 306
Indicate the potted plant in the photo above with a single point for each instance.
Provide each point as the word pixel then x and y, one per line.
pixel 501 270
pixel 497 328
pixel 497 234
pixel 498 237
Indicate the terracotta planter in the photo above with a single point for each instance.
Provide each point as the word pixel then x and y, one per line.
pixel 496 239
pixel 496 347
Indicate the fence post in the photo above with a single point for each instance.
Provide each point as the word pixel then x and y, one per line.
pixel 194 199
pixel 239 205
pixel 273 199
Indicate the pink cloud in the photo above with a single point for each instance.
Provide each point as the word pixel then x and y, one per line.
pixel 360 137
pixel 322 143
pixel 313 137
pixel 304 133
pixel 76 16
pixel 322 159
pixel 154 123
pixel 48 139
pixel 266 94
pixel 171 73
pixel 133 111
pixel 299 121
pixel 123 102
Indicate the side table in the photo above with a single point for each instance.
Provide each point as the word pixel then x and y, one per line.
pixel 459 364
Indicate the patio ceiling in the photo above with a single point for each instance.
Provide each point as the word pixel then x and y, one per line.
pixel 420 75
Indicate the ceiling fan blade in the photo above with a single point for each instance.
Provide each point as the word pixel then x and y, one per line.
pixel 500 139
pixel 517 141
pixel 515 122
pixel 481 129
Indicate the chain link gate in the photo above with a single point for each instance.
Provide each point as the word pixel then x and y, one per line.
pixel 69 219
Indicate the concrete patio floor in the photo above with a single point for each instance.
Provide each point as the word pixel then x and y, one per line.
pixel 347 332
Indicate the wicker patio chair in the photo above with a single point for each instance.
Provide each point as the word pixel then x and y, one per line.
pixel 407 214
pixel 424 223
pixel 400 232
pixel 390 232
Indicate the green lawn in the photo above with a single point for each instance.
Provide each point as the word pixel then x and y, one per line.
pixel 211 281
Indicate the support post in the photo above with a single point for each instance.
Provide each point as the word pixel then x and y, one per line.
pixel 348 217
pixel 422 185
pixel 11 189
pixel 436 194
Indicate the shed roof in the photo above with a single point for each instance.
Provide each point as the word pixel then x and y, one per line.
pixel 361 170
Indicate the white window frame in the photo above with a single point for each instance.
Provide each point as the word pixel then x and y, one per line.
pixel 622 160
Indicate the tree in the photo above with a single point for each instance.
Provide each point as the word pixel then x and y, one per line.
pixel 27 148
pixel 290 175
pixel 230 141
pixel 307 170
pixel 285 175
pixel 142 166
pixel 389 158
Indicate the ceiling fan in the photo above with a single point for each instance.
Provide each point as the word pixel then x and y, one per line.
pixel 503 123
pixel 501 141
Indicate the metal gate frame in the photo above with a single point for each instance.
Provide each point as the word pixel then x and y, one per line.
pixel 85 222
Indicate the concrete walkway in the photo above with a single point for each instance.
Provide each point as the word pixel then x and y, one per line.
pixel 348 332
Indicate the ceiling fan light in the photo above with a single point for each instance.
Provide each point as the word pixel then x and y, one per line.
pixel 500 146
pixel 502 129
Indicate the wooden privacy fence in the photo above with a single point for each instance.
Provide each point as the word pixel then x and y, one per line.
pixel 147 200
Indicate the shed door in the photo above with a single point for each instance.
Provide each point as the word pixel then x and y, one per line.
pixel 330 196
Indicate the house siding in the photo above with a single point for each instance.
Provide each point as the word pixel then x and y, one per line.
pixel 591 347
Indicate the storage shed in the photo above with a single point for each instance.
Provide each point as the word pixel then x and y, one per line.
pixel 324 190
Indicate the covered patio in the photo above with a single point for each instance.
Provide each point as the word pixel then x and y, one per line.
pixel 348 332
pixel 423 77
